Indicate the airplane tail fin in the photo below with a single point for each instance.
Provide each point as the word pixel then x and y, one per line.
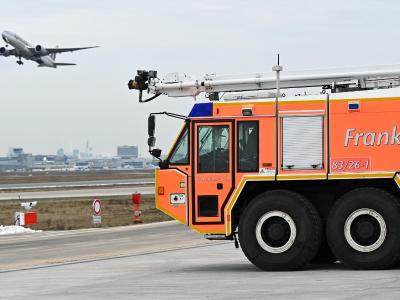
pixel 53 55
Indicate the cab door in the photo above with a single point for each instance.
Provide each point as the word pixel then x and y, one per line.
pixel 213 170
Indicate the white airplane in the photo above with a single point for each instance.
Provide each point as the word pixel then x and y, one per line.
pixel 45 57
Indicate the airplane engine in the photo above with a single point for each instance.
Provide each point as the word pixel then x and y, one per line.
pixel 4 51
pixel 40 50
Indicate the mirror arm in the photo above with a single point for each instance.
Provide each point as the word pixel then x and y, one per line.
pixel 162 163
pixel 171 115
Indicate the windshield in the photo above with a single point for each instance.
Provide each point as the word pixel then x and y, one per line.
pixel 180 153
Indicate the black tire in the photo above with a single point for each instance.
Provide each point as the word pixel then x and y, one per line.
pixel 302 214
pixel 365 247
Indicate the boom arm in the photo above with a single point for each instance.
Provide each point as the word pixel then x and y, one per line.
pixel 176 85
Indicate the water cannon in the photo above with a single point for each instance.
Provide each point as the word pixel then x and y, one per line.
pixel 141 83
pixel 28 205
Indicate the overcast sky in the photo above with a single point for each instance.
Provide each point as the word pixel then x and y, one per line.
pixel 43 109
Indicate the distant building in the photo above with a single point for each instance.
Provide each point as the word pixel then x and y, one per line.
pixel 60 152
pixel 15 152
pixel 88 153
pixel 17 160
pixel 75 153
pixel 128 151
pixel 82 165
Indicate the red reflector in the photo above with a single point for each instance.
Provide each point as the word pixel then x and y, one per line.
pixel 160 190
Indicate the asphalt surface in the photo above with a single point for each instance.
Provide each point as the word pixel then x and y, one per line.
pixel 165 261
pixel 75 193
pixel 86 183
pixel 23 251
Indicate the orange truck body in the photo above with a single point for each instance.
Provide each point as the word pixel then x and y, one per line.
pixel 360 141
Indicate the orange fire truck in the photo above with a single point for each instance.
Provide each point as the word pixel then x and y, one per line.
pixel 310 177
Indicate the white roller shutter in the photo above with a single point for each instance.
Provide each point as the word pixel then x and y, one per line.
pixel 302 142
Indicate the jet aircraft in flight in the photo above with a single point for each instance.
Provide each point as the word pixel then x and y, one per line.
pixel 45 57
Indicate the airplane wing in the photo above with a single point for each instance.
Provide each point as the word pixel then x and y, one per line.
pixel 61 50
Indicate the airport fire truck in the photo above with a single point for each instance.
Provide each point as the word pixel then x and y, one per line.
pixel 297 167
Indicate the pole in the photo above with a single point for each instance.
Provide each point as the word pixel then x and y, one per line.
pixel 137 212
pixel 277 68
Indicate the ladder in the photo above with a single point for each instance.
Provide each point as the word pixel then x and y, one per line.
pixel 337 80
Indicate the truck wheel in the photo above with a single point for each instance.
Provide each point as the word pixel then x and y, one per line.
pixel 279 231
pixel 363 229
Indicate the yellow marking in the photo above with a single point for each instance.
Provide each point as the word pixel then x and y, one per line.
pixel 237 193
pixel 298 177
pixel 397 179
pixel 294 101
pixel 302 176
pixel 156 185
pixel 362 175
pixel 269 102
pixel 366 99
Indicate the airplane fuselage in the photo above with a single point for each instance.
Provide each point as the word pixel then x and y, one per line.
pixel 22 50
pixel 45 57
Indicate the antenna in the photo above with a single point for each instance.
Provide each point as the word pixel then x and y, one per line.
pixel 277 68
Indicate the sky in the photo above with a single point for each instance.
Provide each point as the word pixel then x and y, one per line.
pixel 43 109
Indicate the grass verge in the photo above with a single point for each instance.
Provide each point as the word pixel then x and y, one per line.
pixel 68 214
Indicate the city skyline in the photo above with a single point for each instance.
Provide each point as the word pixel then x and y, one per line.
pixel 70 151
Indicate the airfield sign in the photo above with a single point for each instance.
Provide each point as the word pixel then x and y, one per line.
pixel 96 208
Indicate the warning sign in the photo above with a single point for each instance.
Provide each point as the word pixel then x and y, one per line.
pixel 96 208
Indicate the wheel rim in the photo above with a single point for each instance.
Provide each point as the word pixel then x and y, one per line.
pixel 275 231
pixel 365 230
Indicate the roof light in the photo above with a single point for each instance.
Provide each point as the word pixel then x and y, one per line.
pixel 202 110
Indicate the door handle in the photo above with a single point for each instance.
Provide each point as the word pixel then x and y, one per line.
pixel 219 186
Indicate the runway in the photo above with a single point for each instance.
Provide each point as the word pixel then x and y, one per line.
pixel 165 261
pixel 76 193
pixel 72 184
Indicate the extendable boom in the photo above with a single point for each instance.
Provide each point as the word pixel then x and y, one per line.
pixel 177 85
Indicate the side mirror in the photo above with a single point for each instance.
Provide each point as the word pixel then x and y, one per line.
pixel 151 141
pixel 151 126
pixel 156 153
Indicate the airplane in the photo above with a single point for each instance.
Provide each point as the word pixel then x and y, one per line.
pixel 45 57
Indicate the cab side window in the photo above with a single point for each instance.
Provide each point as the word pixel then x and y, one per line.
pixel 180 154
pixel 248 146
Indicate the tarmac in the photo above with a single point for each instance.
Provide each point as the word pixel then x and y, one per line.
pixel 80 183
pixel 76 193
pixel 165 261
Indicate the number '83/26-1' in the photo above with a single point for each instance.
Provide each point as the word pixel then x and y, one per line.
pixel 351 164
